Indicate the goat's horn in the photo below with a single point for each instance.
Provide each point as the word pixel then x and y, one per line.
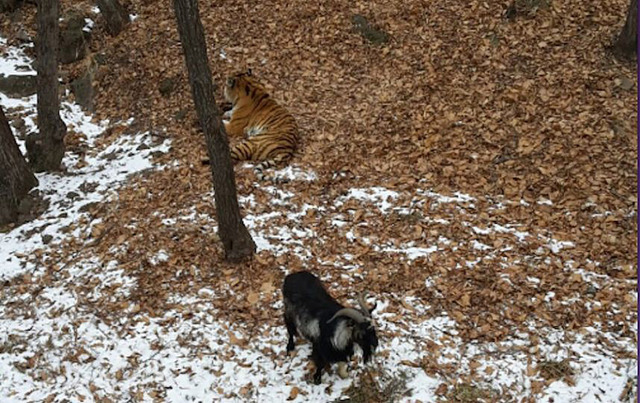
pixel 349 313
pixel 363 304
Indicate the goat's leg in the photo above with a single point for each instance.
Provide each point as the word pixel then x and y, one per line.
pixel 342 370
pixel 320 363
pixel 291 329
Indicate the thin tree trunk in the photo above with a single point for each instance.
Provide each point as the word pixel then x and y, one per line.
pixel 114 14
pixel 627 43
pixel 16 178
pixel 46 148
pixel 236 239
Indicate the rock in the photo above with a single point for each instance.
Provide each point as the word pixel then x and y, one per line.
pixel 23 36
pixel 167 86
pixel 46 238
pixel 114 14
pixel 73 40
pixel 72 195
pixel 180 115
pixel 110 156
pixel 626 84
pixel 88 187
pixel 20 128
pixel 19 124
pixel 7 6
pixel 100 58
pixel 86 208
pixel 26 205
pixel 511 12
pixel 24 68
pixel 82 89
pixel 18 86
pixel 75 21
pixel 524 8
pixel 368 31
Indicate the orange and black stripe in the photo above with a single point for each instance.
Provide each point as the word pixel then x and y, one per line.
pixel 254 111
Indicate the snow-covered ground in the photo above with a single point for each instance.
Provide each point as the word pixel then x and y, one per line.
pixel 52 348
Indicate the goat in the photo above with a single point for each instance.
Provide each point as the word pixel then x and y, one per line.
pixel 310 312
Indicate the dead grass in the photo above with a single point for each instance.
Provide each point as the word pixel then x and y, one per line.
pixel 468 393
pixel 526 8
pixel 557 370
pixel 377 385
pixel 630 391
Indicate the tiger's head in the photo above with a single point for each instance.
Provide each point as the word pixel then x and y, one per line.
pixel 241 85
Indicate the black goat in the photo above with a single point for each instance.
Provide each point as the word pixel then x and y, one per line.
pixel 310 312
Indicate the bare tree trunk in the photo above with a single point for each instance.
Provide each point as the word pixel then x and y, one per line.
pixel 16 178
pixel 236 239
pixel 627 43
pixel 46 148
pixel 114 14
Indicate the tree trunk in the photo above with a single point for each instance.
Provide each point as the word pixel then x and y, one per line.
pixel 46 148
pixel 114 14
pixel 627 43
pixel 236 239
pixel 16 178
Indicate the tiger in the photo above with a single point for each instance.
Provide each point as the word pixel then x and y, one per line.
pixel 269 131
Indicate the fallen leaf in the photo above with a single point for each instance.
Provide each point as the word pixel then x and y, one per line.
pixel 294 393
pixel 253 297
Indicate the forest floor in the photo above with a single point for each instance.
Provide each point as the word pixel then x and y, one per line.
pixel 476 175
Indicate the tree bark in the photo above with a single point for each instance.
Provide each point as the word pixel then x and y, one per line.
pixel 114 14
pixel 46 148
pixel 16 178
pixel 237 241
pixel 627 43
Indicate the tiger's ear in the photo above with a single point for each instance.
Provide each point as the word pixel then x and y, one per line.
pixel 248 72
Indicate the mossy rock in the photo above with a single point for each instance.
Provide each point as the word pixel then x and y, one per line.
pixel 370 32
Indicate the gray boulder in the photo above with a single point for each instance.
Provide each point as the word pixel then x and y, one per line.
pixel 73 40
pixel 7 6
pixel 370 32
pixel 83 90
pixel 18 86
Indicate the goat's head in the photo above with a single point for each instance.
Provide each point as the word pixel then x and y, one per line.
pixel 363 329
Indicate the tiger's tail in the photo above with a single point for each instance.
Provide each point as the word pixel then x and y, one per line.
pixel 244 152
pixel 270 163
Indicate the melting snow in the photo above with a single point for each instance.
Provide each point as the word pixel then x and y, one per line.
pixel 186 355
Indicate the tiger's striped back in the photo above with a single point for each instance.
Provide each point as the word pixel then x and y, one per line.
pixel 270 132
